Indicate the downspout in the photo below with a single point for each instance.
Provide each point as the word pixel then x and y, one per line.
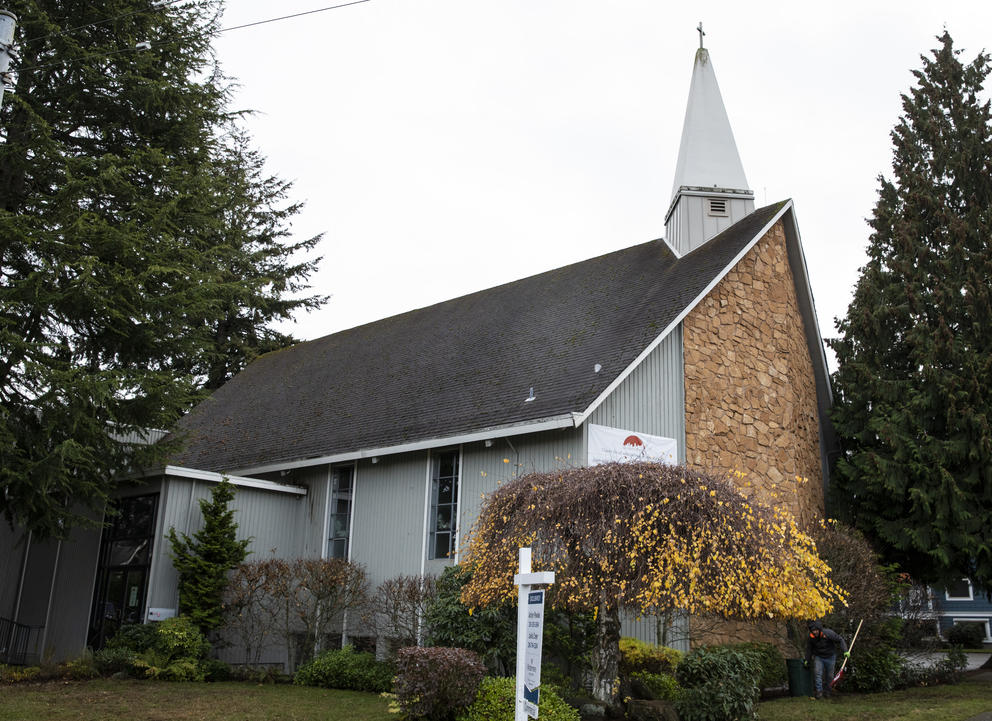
pixel 20 581
pixel 51 594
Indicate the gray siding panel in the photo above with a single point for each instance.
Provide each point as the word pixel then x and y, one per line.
pixel 274 521
pixel 483 469
pixel 645 628
pixel 68 621
pixel 387 535
pixel 13 547
pixel 652 399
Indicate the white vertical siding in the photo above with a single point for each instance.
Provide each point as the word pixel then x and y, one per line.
pixel 387 535
pixel 690 225
pixel 275 522
pixel 483 469
pixel 645 628
pixel 652 399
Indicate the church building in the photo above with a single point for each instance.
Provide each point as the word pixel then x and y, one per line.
pixel 377 443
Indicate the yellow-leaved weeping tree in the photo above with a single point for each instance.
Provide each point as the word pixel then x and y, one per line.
pixel 645 537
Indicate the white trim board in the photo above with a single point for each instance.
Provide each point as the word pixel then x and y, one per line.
pixel 567 420
pixel 685 311
pixel 211 477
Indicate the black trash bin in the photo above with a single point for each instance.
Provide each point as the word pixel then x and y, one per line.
pixel 800 677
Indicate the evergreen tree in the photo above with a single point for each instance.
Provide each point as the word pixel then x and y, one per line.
pixel 143 252
pixel 204 560
pixel 914 380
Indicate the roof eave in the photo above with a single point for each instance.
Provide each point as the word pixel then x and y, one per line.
pixel 685 311
pixel 565 420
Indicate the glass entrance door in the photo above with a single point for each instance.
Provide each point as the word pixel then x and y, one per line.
pixel 125 561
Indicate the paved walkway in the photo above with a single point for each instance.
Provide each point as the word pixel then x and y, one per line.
pixel 975 660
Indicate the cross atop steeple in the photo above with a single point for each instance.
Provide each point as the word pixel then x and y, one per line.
pixel 701 34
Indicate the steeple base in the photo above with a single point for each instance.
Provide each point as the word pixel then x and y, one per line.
pixel 698 214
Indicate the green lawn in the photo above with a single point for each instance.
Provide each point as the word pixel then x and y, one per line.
pixel 162 701
pixel 934 703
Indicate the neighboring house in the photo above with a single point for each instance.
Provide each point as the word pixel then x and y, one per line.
pixel 377 443
pixel 963 602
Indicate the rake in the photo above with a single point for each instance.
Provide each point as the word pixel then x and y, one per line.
pixel 840 674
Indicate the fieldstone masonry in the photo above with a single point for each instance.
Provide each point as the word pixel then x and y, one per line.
pixel 750 400
pixel 750 393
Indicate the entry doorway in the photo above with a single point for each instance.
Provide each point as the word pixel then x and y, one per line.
pixel 125 563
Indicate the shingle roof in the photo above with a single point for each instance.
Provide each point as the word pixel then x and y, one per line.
pixel 459 366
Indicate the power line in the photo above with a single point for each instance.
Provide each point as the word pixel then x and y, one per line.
pixel 287 17
pixel 148 46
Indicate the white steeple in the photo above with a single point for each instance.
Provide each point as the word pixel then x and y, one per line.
pixel 710 191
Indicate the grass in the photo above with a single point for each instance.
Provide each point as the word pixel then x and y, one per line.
pixel 933 703
pixel 104 700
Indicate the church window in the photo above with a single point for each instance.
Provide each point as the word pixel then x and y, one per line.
pixel 444 504
pixel 339 523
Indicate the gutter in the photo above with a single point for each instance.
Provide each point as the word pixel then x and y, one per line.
pixel 565 420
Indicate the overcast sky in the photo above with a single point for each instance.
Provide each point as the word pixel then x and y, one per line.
pixel 446 146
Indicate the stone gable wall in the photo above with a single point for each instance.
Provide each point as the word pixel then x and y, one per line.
pixel 750 401
pixel 750 392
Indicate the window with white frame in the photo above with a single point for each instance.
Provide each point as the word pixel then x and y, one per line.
pixel 444 504
pixel 339 521
pixel 960 590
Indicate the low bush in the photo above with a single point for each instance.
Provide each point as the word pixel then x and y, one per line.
pixel 346 668
pixel 659 686
pixel 495 702
pixel 490 631
pixel 950 668
pixel 137 637
pixel 216 670
pixel 79 669
pixel 874 669
pixel 16 674
pixel 436 683
pixel 966 635
pixel 719 684
pixel 111 660
pixel 770 660
pixel 641 656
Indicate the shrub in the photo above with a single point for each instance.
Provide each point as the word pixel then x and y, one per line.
pixel 115 660
pixel 966 635
pixel 15 674
pixel 79 669
pixel 346 669
pixel 436 683
pixel 770 660
pixel 490 631
pixel 874 669
pixel 178 638
pixel 719 684
pixel 216 670
pixel 138 637
pixel 640 656
pixel 495 702
pixel 950 668
pixel 661 686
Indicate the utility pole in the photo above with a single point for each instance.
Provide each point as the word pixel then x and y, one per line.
pixel 7 23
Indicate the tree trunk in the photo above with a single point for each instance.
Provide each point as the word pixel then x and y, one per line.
pixel 606 655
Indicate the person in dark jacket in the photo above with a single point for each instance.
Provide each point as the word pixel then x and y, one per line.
pixel 821 651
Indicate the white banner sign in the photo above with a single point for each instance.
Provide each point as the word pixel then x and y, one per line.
pixel 614 445
pixel 532 656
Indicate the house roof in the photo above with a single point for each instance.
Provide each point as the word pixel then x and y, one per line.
pixel 463 366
